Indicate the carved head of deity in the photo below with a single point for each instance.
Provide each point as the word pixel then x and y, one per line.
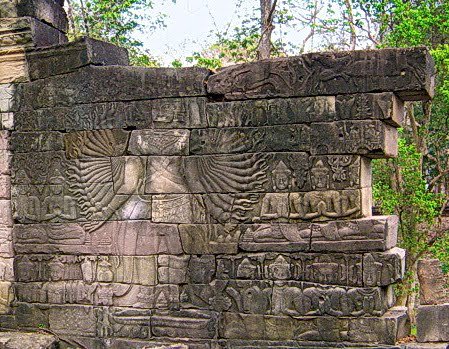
pixel 320 176
pixel 282 177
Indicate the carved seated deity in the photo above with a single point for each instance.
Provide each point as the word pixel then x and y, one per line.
pixel 321 204
pixel 276 205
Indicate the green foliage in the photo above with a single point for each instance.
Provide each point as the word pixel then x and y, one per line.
pixel 115 21
pixel 440 250
pixel 400 188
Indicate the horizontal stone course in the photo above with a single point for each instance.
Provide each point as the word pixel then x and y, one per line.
pixel 94 84
pixel 382 330
pixel 165 113
pixel 65 59
pixel 269 112
pixel 407 72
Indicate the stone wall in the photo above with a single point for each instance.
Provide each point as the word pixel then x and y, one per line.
pixel 227 210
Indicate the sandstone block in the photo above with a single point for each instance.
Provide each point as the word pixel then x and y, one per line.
pixel 5 187
pixel 159 142
pixel 427 346
pixel 367 234
pixel 258 172
pixel 276 237
pixel 48 11
pixel 432 322
pixel 43 119
pixel 250 140
pixel 117 269
pixel 27 142
pixel 177 113
pixel 72 320
pixel 384 268
pixel 19 340
pixel 201 269
pixel 95 84
pixel 7 121
pixel 6 296
pixel 270 112
pixel 376 106
pixel 41 168
pixel 375 330
pixel 7 98
pixel 13 68
pixel 370 138
pixel 184 324
pixel 433 284
pixel 209 238
pixel 408 72
pixel 133 238
pixel 64 59
pixel 27 32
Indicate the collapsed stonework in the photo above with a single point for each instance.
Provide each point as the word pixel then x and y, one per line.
pixel 228 210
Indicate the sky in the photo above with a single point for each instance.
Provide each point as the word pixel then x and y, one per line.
pixel 189 25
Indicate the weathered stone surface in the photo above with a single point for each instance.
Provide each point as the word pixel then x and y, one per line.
pixel 5 187
pixel 184 324
pixel 20 340
pixel 134 238
pixel 432 322
pixel 368 234
pixel 271 112
pixel 7 98
pixel 377 106
pixel 433 284
pixel 311 206
pixel 25 142
pixel 6 237
pixel 427 346
pixel 40 168
pixel 47 11
pixel 13 68
pixel 159 142
pixel 382 330
pixel 382 269
pixel 250 139
pixel 276 237
pixel 99 294
pixel 408 72
pixel 64 59
pixel 369 138
pixel 172 269
pixel 260 172
pixel 27 32
pixel 72 320
pixel 6 296
pixel 175 113
pixel 209 238
pixel 150 213
pixel 93 144
pixel 118 269
pixel 93 84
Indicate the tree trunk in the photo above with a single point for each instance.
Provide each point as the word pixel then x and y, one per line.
pixel 267 8
pixel 353 40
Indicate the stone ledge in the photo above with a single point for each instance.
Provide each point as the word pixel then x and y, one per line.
pixel 67 58
pixel 408 72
